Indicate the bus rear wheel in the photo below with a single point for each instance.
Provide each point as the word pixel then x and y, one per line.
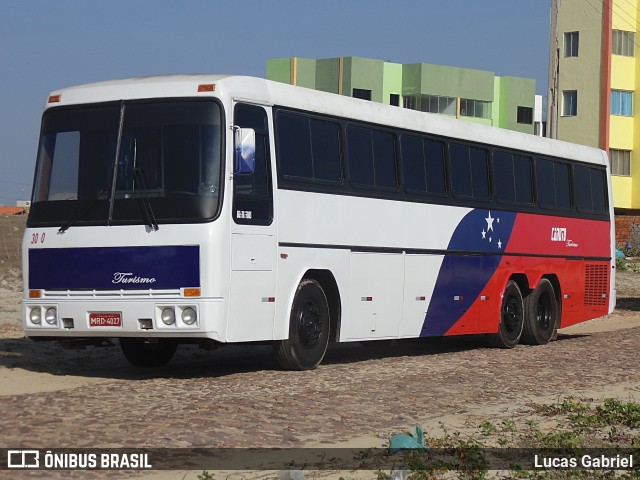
pixel 511 317
pixel 148 354
pixel 309 325
pixel 541 314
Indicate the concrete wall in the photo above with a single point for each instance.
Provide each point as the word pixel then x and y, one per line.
pixel 581 73
pixel 514 92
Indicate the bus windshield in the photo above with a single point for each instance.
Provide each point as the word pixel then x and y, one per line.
pixel 168 157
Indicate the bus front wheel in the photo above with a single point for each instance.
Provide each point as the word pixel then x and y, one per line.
pixel 511 317
pixel 541 314
pixel 308 329
pixel 148 354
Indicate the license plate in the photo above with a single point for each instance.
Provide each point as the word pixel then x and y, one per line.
pixel 105 319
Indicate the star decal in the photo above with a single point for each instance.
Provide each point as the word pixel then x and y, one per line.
pixel 499 244
pixel 484 234
pixel 489 222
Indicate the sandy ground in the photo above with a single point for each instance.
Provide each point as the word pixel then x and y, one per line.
pixel 27 374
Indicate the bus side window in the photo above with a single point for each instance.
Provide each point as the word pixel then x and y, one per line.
pixel 308 149
pixel 371 157
pixel 423 165
pixel 252 197
pixel 553 184
pixel 469 171
pixel 512 177
pixel 589 187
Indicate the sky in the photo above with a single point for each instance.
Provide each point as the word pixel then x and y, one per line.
pixel 46 45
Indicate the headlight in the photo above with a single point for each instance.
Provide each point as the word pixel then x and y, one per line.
pixel 168 316
pixel 189 316
pixel 35 315
pixel 51 316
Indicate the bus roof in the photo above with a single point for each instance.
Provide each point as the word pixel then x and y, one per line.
pixel 253 89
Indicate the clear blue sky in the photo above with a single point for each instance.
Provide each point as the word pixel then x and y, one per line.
pixel 45 45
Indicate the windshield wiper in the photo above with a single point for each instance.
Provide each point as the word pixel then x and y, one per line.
pixel 81 214
pixel 145 204
pixel 144 199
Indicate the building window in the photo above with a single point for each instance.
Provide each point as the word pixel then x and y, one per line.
pixel 437 104
pixel 525 115
pixel 569 103
pixel 394 99
pixel 621 103
pixel 475 108
pixel 362 94
pixel 620 162
pixel 409 102
pixel 571 40
pixel 623 43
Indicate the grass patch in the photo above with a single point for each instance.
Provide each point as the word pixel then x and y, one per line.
pixel 572 426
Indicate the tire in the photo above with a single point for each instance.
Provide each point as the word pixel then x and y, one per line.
pixel 541 314
pixel 146 354
pixel 511 318
pixel 309 325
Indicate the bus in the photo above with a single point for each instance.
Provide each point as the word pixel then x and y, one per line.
pixel 215 209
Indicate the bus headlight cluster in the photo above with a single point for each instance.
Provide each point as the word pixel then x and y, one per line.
pixel 43 316
pixel 177 316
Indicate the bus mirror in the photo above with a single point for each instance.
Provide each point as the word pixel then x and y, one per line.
pixel 245 150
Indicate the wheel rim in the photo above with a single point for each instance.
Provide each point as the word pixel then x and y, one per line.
pixel 512 315
pixel 309 323
pixel 544 312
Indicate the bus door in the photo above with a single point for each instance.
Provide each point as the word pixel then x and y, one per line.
pixel 253 239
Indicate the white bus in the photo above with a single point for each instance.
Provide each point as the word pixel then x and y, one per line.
pixel 225 209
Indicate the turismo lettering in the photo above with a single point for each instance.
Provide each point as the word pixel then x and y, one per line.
pixel 122 277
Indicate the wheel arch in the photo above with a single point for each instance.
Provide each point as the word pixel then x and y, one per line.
pixel 522 281
pixel 557 290
pixel 328 283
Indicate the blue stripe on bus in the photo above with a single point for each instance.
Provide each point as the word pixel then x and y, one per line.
pixel 462 278
pixel 114 268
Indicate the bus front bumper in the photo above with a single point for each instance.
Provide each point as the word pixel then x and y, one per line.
pixel 166 317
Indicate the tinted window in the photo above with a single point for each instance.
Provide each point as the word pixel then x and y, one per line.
pixel 169 152
pixel 423 165
pixel 562 185
pixel 371 155
pixel 252 202
pixel 325 148
pixel 360 152
pixel 590 189
pixel 308 147
pixel 582 188
pixel 512 175
pixel 469 171
pixel 599 190
pixel 545 183
pixel 552 181
pixel 257 183
pixel 384 159
pixel 523 180
pixel 460 170
pixel 294 146
pixel 503 176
